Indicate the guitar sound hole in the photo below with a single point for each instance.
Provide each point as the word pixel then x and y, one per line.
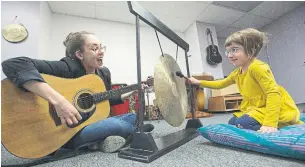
pixel 85 101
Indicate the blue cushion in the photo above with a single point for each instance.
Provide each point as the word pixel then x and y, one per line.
pixel 288 141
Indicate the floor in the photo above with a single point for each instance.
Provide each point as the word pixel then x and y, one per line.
pixel 196 153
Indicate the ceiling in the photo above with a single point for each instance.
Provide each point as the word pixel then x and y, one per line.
pixel 226 16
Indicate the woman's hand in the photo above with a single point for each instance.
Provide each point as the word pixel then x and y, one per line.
pixel 127 95
pixel 193 81
pixel 64 109
pixel 67 112
pixel 267 129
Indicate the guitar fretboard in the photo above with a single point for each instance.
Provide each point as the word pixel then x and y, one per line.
pixel 98 97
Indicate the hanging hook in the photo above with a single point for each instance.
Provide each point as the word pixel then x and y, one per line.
pixel 159 42
pixel 15 19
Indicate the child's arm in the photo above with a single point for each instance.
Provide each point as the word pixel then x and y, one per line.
pixel 219 84
pixel 270 88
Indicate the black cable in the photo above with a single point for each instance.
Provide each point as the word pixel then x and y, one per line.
pixel 159 42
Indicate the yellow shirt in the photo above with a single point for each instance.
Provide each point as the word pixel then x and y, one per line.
pixel 263 99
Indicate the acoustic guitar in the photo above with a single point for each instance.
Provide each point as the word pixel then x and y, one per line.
pixel 31 127
pixel 213 55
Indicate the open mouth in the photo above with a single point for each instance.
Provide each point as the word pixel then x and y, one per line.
pixel 100 59
pixel 233 60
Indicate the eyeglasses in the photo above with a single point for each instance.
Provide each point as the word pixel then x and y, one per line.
pixel 96 48
pixel 232 51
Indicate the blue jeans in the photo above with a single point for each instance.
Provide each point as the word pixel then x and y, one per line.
pixel 245 122
pixel 122 125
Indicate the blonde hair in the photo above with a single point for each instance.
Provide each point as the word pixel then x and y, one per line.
pixel 251 39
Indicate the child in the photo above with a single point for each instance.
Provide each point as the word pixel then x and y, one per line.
pixel 266 106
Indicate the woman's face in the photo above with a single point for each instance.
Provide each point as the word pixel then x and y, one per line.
pixel 93 53
pixel 237 55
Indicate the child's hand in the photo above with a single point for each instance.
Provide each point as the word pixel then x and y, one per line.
pixel 193 81
pixel 267 129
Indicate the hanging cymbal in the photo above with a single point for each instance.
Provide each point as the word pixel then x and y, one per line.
pixel 170 91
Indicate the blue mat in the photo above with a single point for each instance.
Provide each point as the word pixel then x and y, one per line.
pixel 287 142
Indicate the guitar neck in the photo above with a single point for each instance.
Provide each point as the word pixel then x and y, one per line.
pixel 211 38
pixel 98 97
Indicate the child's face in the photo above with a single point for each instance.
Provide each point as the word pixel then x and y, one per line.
pixel 237 55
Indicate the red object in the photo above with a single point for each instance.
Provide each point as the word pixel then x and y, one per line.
pixel 137 102
pixel 120 108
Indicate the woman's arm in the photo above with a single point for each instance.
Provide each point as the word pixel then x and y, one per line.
pixel 23 69
pixel 265 79
pixel 25 74
pixel 107 75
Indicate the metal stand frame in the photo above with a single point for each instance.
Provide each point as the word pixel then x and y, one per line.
pixel 144 147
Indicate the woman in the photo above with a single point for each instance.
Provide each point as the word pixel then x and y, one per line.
pixel 84 55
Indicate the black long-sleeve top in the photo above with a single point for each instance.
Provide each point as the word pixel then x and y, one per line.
pixel 22 69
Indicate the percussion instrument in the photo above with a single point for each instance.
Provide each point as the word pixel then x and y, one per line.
pixel 170 90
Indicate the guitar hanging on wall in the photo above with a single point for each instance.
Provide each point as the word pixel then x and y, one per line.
pixel 213 55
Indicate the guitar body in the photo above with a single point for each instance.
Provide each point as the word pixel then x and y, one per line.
pixel 29 127
pixel 213 55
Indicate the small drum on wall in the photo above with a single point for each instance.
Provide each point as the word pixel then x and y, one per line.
pixel 14 33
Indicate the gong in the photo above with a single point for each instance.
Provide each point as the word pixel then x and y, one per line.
pixel 170 91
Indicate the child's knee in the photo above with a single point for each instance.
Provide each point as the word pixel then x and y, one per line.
pixel 240 123
pixel 247 122
pixel 232 121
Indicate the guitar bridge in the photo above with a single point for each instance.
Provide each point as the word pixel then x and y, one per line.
pixel 54 115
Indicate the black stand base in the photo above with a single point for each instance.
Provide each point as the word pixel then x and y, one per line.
pixel 193 123
pixel 146 149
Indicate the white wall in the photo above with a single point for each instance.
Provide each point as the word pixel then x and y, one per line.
pixel 50 30
pixel 28 14
pixel 45 30
pixel 191 37
pixel 120 40
pixel 197 38
pixel 205 41
pixel 286 49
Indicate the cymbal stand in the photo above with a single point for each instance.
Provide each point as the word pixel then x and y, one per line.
pixel 144 147
pixel 147 107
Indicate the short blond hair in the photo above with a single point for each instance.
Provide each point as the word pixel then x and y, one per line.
pixel 251 39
